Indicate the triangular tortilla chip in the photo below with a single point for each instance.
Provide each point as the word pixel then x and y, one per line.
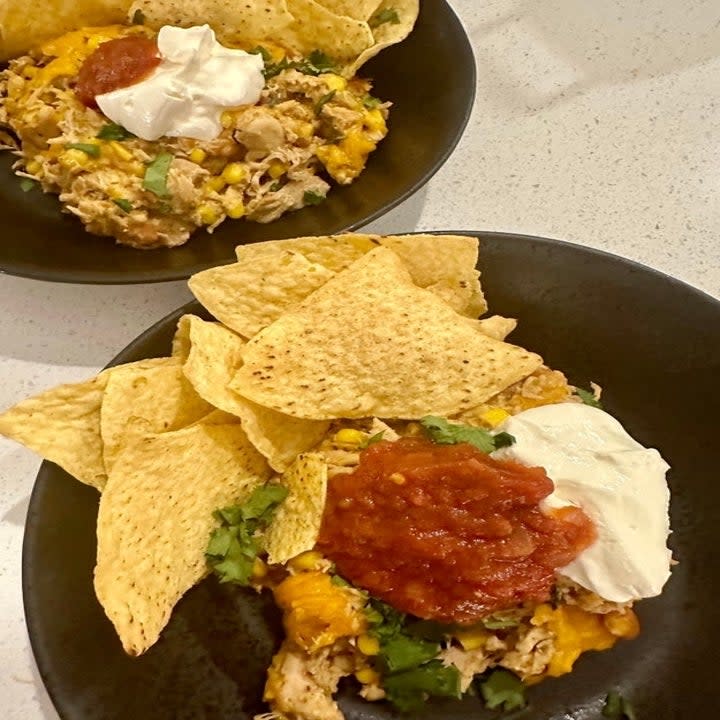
pixel 214 358
pixel 140 400
pixel 296 524
pixel 369 342
pixel 155 520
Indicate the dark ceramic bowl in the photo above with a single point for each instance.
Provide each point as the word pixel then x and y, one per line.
pixel 430 79
pixel 653 343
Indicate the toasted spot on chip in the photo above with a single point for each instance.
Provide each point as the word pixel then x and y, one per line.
pixel 140 400
pixel 369 342
pixel 247 297
pixel 214 357
pixel 63 425
pixel 155 519
pixel 296 524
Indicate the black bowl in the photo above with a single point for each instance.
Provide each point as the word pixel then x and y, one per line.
pixel 430 79
pixel 653 343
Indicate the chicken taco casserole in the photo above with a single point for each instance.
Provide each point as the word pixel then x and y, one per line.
pixel 188 113
pixel 435 511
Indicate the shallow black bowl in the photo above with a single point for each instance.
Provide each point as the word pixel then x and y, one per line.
pixel 653 343
pixel 430 79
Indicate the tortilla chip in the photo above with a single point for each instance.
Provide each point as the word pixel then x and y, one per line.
pixel 296 524
pixel 247 297
pixel 181 339
pixel 357 9
pixel 140 400
pixel 369 342
pixel 155 519
pixel 23 27
pixel 215 356
pixel 63 425
pixel 497 326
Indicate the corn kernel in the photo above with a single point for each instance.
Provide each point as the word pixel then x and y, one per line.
pixel 368 676
pixel 397 478
pixel 208 214
pixel 471 639
pixel 227 119
pixel 375 121
pixel 236 211
pixel 234 172
pixel 116 192
pixel 120 151
pixel 276 169
pixel 259 569
pixel 368 645
pixel 622 624
pixel 197 155
pixel 335 82
pixel 137 169
pixel 306 561
pixel 215 184
pixel 348 436
pixel 494 416
pixel 30 71
pixel 304 130
pixel 72 159
pixel 34 167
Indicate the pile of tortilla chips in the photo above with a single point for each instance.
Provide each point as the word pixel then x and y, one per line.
pixel 308 331
pixel 349 32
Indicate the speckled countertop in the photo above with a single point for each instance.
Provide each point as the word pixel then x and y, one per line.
pixel 595 123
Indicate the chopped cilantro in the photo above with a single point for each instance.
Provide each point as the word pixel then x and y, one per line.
pixel 408 690
pixel 88 148
pixel 138 18
pixel 617 707
pixel 312 198
pixel 320 62
pixel 371 102
pixel 403 652
pixel 276 186
pixel 442 432
pixel 27 184
pixel 323 101
pixel 315 64
pixel 588 398
pixel 339 581
pixel 156 173
pixel 498 621
pixel 503 689
pixel 233 546
pixel 376 438
pixel 263 52
pixel 386 15
pixel 113 131
pixel 124 205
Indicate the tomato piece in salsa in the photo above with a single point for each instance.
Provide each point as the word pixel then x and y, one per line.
pixel 116 64
pixel 446 532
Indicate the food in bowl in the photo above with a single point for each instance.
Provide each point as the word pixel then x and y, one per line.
pixel 434 509
pixel 149 131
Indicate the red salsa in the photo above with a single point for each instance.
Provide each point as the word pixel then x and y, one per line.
pixel 116 64
pixel 446 532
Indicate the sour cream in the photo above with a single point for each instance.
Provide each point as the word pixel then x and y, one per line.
pixel 620 484
pixel 186 94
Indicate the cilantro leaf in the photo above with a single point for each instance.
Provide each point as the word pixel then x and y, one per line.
pixel 408 690
pixel 385 621
pixel 323 101
pixel 156 174
pixel 371 102
pixel 617 707
pixel 588 398
pixel 113 131
pixel 320 62
pixel 404 652
pixel 312 198
pixel 88 148
pixel 376 438
pixel 27 184
pixel 499 621
pixel 386 15
pixel 234 545
pixel 442 432
pixel 263 52
pixel 503 689
pixel 124 205
pixel 315 64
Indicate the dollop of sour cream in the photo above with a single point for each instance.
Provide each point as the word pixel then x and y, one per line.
pixel 186 94
pixel 620 485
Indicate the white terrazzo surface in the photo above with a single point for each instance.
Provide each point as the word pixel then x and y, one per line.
pixel 599 125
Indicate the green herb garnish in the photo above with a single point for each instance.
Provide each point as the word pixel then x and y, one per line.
pixel 263 52
pixel 88 148
pixel 408 690
pixel 323 101
pixel 124 205
pixel 27 184
pixel 371 102
pixel 403 652
pixel 498 621
pixel 138 18
pixel 233 546
pixel 156 173
pixel 312 198
pixel 113 131
pixel 377 437
pixel 442 432
pixel 315 64
pixel 386 15
pixel 503 689
pixel 617 707
pixel 588 398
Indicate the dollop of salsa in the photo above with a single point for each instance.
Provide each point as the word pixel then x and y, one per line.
pixel 116 64
pixel 446 532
